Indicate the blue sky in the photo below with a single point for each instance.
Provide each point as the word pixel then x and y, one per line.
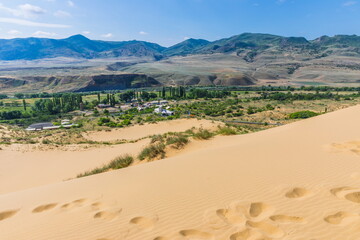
pixel 171 21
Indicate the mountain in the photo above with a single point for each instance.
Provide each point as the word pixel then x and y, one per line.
pixel 76 46
pixel 79 46
pixel 245 59
pixel 188 46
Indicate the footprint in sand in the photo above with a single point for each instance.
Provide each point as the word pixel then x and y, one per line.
pixel 107 215
pixel 193 234
pixel 353 197
pixel 284 219
pixel 160 238
pixel 7 214
pixel 212 219
pixel 268 229
pixel 260 210
pixel 248 234
pixel 342 218
pixel 44 207
pixel 73 204
pixel 297 193
pixel 96 206
pixel 340 192
pixel 143 223
pixel 231 216
pixel 348 193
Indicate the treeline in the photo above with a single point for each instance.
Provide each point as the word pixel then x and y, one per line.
pixel 281 96
pixel 173 93
pixel 65 103
pixel 14 114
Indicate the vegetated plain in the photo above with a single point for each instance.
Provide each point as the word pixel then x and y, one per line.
pixel 244 109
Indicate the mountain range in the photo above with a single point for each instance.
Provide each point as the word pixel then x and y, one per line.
pixel 80 64
pixel 78 46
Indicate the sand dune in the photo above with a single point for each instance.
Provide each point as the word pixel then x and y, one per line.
pixel 283 183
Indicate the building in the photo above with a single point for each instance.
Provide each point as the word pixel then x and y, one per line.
pixel 41 126
pixel 163 112
pixel 49 126
pixel 103 105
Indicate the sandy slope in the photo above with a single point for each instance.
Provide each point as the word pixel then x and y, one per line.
pixel 22 168
pixel 297 182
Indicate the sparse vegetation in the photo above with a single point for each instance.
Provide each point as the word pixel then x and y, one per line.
pixel 203 134
pixel 302 114
pixel 226 130
pixel 177 141
pixel 152 151
pixel 117 163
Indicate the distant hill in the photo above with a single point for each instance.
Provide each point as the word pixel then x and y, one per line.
pixel 188 46
pixel 78 46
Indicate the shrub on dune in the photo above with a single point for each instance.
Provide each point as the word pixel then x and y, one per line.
pixel 152 151
pixel 203 134
pixel 117 163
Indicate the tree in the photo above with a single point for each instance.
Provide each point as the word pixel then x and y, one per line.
pixel 24 104
pixel 127 96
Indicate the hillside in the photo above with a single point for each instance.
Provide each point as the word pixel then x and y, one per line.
pixel 76 46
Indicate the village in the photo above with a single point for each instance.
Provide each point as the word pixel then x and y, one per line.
pixel 160 107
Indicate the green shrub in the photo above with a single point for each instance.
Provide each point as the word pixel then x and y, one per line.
pixel 177 141
pixel 203 134
pixel 117 163
pixel 121 162
pixel 46 141
pixel 157 138
pixel 226 130
pixel 302 115
pixel 103 121
pixel 152 151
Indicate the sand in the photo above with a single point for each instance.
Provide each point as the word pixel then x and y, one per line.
pixel 297 182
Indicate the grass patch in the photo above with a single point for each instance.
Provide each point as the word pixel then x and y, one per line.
pixel 177 141
pixel 226 130
pixel 302 115
pixel 117 163
pixel 203 134
pixel 152 151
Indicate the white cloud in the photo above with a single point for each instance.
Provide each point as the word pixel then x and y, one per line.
pixel 14 32
pixel 86 32
pixel 24 10
pixel 61 13
pixel 143 33
pixel 43 34
pixel 31 23
pixel 349 3
pixel 108 35
pixel 186 38
pixel 70 3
